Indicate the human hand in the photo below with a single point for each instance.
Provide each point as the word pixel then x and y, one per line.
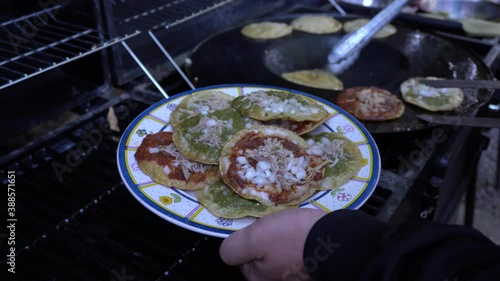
pixel 272 247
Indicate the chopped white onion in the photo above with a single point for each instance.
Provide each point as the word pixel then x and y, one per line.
pixel 167 171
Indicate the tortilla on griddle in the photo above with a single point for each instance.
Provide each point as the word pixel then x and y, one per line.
pixel 432 99
pixel 316 24
pixel 371 103
pixel 274 104
pixel 158 158
pixel 315 78
pixel 386 31
pixel 201 137
pixel 270 165
pixel 221 201
pixel 200 103
pixel 266 30
pixel 343 156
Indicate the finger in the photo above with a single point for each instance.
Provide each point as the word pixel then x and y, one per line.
pixel 243 246
pixel 249 272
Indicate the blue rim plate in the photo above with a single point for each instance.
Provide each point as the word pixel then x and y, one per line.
pixel 183 209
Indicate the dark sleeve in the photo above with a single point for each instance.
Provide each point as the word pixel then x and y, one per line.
pixel 350 245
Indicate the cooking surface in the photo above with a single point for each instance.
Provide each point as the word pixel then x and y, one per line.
pixel 383 63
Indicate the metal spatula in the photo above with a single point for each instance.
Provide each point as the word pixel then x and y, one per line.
pixel 346 51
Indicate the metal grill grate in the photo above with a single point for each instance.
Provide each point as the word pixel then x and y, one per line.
pixel 38 42
pixel 78 228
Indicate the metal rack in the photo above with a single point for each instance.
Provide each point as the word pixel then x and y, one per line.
pixel 151 15
pixel 35 43
pixel 181 10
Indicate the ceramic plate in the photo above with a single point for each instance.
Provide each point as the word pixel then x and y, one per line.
pixel 183 209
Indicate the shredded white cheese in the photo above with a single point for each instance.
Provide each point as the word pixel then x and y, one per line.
pixel 188 166
pixel 371 102
pixel 263 195
pixel 211 129
pixel 329 150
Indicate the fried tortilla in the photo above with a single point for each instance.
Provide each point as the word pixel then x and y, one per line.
pixel 316 24
pixel 266 30
pixel 370 103
pixel 159 159
pixel 200 103
pixel 299 128
pixel 314 78
pixel 270 165
pixel 353 25
pixel 201 137
pixel 432 99
pixel 343 156
pixel 221 201
pixel 270 105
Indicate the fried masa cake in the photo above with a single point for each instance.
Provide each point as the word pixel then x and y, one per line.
pixel 316 24
pixel 201 137
pixel 158 158
pixel 314 78
pixel 432 99
pixel 370 103
pixel 199 103
pixel 270 165
pixel 274 104
pixel 221 201
pixel 353 25
pixel 299 128
pixel 343 156
pixel 266 30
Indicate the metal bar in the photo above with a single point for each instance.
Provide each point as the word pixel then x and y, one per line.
pixel 171 60
pixel 199 13
pixel 492 55
pixel 26 65
pixel 73 31
pixel 7 50
pixel 138 61
pixel 64 42
pixel 70 53
pixel 54 65
pixel 194 5
pixel 13 71
pixel 39 60
pixel 337 7
pixel 465 38
pixel 26 55
pixel 146 13
pixel 145 22
pixel 45 11
pixel 52 45
pixel 69 24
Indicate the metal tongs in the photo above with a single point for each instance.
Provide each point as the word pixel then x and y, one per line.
pixel 346 51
